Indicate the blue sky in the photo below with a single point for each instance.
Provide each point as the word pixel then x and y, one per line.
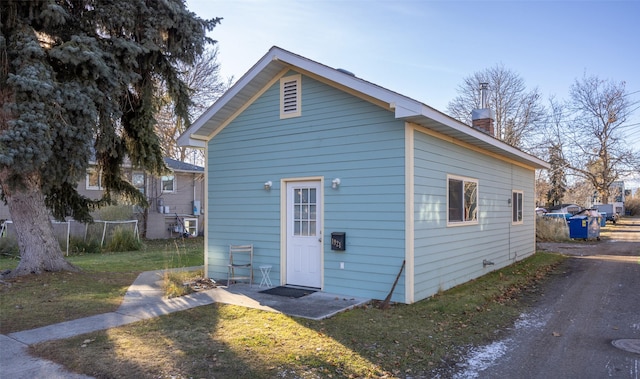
pixel 424 49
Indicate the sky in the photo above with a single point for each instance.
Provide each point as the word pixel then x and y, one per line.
pixel 424 49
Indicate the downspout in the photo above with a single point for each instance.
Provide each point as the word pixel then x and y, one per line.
pixel 194 196
pixel 511 210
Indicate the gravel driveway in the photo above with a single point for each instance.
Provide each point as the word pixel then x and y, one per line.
pixel 592 304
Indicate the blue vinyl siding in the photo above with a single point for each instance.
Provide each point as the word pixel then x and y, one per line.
pixel 342 136
pixel 449 255
pixel 337 136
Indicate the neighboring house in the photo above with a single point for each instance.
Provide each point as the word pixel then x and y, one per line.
pixel 174 199
pixel 336 181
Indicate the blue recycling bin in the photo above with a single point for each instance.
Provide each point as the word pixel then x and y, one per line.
pixel 578 227
pixel 603 219
pixel 584 227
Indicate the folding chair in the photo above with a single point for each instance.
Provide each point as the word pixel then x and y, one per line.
pixel 240 258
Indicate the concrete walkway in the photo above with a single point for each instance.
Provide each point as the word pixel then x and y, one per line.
pixel 143 300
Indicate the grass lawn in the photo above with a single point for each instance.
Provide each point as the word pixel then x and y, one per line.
pixel 225 341
pixel 39 300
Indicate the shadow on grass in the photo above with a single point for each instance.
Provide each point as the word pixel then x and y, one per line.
pixel 232 341
pixel 210 341
pixel 39 300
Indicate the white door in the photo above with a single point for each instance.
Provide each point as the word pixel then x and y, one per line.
pixel 304 236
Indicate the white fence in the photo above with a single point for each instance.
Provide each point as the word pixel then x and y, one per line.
pixel 66 229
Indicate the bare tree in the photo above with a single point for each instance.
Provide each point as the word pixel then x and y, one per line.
pixel 517 110
pixel 555 153
pixel 598 152
pixel 203 77
pixel 579 192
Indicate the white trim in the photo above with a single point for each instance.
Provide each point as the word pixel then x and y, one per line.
pixel 190 134
pixel 409 227
pixel 205 218
pixel 513 207
pixel 469 180
pixel 283 225
pixel 290 101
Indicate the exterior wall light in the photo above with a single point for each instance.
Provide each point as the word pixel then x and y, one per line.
pixel 335 183
pixel 267 185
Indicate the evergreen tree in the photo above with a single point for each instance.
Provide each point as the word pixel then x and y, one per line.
pixel 77 82
pixel 557 176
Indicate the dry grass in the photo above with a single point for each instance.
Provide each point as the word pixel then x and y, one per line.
pixel 173 283
pixel 551 229
pixel 224 341
pixel 38 300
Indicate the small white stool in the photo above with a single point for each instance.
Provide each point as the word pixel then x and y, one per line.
pixel 266 281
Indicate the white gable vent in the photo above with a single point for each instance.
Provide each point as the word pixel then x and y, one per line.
pixel 290 90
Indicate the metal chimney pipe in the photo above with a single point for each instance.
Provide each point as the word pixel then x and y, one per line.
pixel 484 94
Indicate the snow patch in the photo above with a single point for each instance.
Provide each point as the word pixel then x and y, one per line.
pixel 481 358
pixel 530 321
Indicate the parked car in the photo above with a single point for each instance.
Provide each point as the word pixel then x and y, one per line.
pixel 565 216
pixel 609 210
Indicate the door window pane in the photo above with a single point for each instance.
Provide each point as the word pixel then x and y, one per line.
pixel 304 212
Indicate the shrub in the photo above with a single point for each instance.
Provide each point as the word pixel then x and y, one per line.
pixel 551 229
pixel 632 205
pixel 123 240
pixel 9 247
pixel 79 246
pixel 114 213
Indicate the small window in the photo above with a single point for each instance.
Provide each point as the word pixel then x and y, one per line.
pixel 190 226
pixel 94 179
pixel 290 90
pixel 462 200
pixel 168 183
pixel 137 179
pixel 516 203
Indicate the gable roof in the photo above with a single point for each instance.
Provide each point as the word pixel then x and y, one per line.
pixel 277 60
pixel 179 166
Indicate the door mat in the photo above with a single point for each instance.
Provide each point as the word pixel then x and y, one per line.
pixel 288 291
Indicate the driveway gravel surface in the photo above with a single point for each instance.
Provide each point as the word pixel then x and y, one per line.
pixel 585 325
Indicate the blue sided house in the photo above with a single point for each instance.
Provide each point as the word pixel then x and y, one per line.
pixel 337 181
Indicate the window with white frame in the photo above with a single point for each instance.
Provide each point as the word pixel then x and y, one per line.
pixel 93 179
pixel 190 226
pixel 168 183
pixel 137 179
pixel 290 90
pixel 462 200
pixel 516 204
